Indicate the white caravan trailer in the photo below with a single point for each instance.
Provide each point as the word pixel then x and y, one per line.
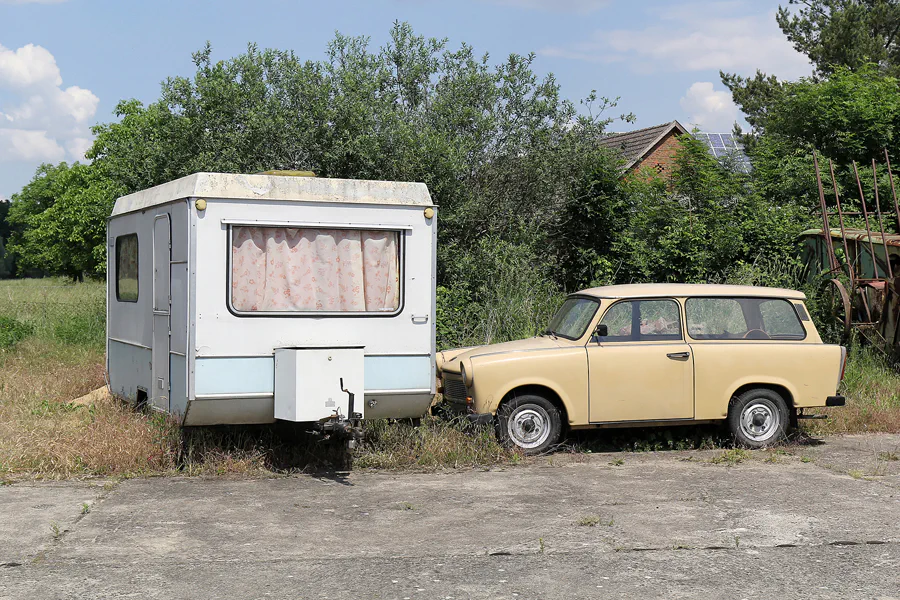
pixel 251 298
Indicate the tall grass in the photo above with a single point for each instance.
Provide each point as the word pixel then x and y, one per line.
pixel 872 388
pixel 52 336
pixel 56 310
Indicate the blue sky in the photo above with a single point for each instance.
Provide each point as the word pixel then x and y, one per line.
pixel 64 64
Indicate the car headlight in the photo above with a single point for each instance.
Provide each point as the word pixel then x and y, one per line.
pixel 466 374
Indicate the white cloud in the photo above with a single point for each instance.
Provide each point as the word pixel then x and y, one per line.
pixel 730 36
pixel 45 119
pixel 28 66
pixel 77 147
pixel 709 109
pixel 29 145
pixel 576 6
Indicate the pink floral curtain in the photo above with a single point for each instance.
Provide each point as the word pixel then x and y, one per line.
pixel 292 269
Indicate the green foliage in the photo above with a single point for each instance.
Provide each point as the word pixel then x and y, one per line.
pixel 12 332
pixel 505 292
pixel 506 158
pixel 852 115
pixel 849 33
pixel 60 220
pixel 697 226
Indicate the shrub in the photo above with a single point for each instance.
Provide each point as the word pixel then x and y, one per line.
pixel 12 332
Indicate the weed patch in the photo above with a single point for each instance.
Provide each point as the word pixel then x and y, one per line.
pixel 594 520
pixel 12 332
pixel 732 457
pixel 435 444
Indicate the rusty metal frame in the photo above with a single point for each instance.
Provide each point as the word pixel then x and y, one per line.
pixel 860 286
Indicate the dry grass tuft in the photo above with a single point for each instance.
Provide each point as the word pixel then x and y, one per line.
pixel 435 444
pixel 872 388
pixel 43 433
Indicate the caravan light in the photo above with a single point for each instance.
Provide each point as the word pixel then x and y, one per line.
pixel 200 204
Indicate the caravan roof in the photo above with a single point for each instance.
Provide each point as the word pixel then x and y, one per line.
pixel 276 187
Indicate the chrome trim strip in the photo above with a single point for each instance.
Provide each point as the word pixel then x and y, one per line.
pixel 205 356
pixel 241 396
pixel 112 339
pixel 323 224
pixel 253 395
pixel 396 392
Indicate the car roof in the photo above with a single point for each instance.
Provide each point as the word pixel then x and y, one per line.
pixel 669 290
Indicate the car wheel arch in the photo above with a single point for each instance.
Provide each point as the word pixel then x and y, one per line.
pixel 778 388
pixel 538 390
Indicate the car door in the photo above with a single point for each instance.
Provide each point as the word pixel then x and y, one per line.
pixel 642 370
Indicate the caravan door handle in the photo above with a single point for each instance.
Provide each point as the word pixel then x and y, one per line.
pixel 679 355
pixel 419 319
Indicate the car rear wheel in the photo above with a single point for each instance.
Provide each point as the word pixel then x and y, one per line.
pixel 758 418
pixel 529 422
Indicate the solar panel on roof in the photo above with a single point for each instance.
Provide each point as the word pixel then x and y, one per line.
pixel 725 148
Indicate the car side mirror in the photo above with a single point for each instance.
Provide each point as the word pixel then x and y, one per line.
pixel 602 330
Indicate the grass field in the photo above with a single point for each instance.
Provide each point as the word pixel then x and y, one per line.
pixel 52 352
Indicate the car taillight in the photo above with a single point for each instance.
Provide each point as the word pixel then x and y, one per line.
pixel 843 363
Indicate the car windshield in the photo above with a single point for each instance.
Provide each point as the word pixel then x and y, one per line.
pixel 573 318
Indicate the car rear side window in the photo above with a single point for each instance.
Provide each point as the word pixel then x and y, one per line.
pixel 742 318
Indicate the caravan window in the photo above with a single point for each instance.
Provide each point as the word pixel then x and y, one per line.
pixel 127 268
pixel 294 269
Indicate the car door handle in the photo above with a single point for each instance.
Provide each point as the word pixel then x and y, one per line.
pixel 679 355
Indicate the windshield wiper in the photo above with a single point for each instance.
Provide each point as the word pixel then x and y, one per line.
pixel 550 333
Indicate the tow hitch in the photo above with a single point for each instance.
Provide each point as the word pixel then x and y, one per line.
pixel 348 426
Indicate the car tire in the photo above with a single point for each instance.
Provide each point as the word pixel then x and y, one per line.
pixel 758 418
pixel 529 422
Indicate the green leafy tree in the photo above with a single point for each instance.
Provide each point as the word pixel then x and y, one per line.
pixel 844 33
pixel 502 152
pixel 60 221
pixel 703 223
pixel 852 115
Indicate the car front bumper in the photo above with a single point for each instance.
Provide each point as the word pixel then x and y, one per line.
pixel 461 410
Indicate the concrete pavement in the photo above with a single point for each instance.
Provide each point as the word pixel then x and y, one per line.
pixel 822 522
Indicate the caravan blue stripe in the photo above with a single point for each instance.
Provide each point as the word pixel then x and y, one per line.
pixel 256 375
pixel 235 375
pixel 398 373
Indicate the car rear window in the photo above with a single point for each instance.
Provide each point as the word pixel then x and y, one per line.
pixel 742 318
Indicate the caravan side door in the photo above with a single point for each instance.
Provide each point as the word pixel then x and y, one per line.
pixel 162 309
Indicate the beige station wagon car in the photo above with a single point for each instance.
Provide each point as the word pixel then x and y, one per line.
pixel 652 354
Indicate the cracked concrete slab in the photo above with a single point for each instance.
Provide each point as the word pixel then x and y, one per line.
pixel 37 514
pixel 669 524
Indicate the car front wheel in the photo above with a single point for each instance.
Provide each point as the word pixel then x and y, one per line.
pixel 529 422
pixel 758 418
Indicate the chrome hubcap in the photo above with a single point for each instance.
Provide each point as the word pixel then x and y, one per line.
pixel 759 421
pixel 529 427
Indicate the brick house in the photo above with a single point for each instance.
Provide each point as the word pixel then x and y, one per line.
pixel 650 150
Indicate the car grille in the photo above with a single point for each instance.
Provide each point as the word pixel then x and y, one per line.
pixel 454 388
